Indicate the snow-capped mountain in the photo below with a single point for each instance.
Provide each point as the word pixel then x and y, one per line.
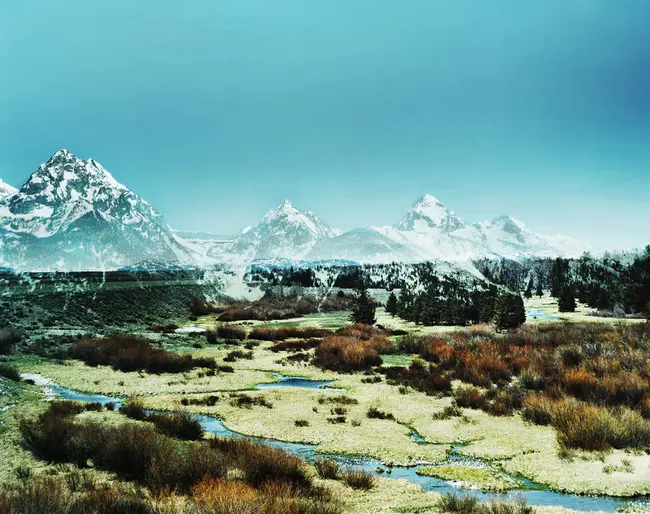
pixel 428 231
pixel 284 232
pixel 72 214
pixel 6 190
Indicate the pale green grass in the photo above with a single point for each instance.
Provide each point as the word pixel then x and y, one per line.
pixel 472 478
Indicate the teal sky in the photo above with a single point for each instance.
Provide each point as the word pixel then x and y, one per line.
pixel 216 110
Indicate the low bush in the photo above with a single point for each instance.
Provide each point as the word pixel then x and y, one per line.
pixel 358 479
pixel 327 468
pixel 451 411
pixel 296 346
pixel 237 354
pixel 301 423
pixel 209 401
pixel 584 426
pixel 282 333
pixel 346 354
pixel 469 397
pixel 179 424
pixel 129 353
pixel 375 413
pixel 53 495
pixel 133 409
pixel 245 401
pixel 454 503
pixel 9 372
pixel 231 332
pixel 9 339
pixel 420 376
pixel 340 400
pixel 165 329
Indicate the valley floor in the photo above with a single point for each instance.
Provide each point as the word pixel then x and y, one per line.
pixel 507 450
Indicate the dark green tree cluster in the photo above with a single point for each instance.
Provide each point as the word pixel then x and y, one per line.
pixel 448 302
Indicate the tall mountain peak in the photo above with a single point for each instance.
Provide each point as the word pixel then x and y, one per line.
pixel 72 210
pixel 430 213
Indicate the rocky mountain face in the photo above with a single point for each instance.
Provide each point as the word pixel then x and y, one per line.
pixel 72 214
pixel 283 233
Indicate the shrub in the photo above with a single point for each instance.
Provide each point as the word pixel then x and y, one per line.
pixel 10 338
pixel 375 413
pixel 133 409
pixel 469 397
pixel 237 354
pixel 261 464
pixel 340 399
pixel 129 353
pixel 94 407
pixel 294 346
pixel 230 332
pixel 9 372
pixel 451 411
pixel 301 423
pixel 358 479
pixel 336 420
pixel 180 424
pixel 246 401
pixel 282 333
pixel 419 376
pixel 454 503
pixel 343 353
pixel 538 409
pixel 327 468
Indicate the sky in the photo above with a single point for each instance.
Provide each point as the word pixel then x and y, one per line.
pixel 217 110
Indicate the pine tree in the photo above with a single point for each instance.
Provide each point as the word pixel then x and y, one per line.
pixel 539 292
pixel 510 311
pixel 363 307
pixel 391 304
pixel 567 300
pixel 528 293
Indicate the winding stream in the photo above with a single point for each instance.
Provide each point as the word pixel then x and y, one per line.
pixel 534 494
pixel 540 314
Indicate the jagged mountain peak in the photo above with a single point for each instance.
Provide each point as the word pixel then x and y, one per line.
pixel 71 214
pixel 65 176
pixel 430 213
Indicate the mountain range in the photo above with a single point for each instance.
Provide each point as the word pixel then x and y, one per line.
pixel 71 214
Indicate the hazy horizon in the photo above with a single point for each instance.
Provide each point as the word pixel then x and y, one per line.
pixel 216 112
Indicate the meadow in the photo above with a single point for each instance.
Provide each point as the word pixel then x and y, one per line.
pixel 564 405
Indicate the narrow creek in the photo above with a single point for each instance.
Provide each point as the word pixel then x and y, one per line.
pixel 534 494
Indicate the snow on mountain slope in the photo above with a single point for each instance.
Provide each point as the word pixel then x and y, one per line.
pixel 72 214
pixel 510 237
pixel 6 190
pixel 361 245
pixel 429 214
pixel 284 232
pixel 429 231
